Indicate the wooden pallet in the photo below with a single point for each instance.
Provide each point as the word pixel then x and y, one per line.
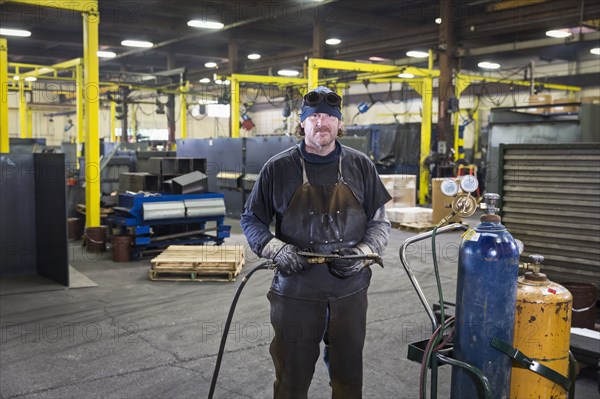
pixel 189 275
pixel 416 227
pixel 198 263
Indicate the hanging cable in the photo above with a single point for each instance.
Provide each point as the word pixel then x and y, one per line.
pixel 373 102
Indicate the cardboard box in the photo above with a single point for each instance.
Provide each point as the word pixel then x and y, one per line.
pixel 439 201
pixel 567 107
pixel 590 100
pixel 539 99
pixel 402 188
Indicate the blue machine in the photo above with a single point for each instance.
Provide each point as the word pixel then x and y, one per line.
pixel 486 293
pixel 160 220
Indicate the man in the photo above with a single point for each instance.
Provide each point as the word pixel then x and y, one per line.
pixel 326 198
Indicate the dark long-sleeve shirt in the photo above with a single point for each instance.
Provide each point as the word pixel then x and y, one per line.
pixel 282 175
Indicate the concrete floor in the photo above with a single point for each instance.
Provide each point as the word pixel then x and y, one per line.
pixel 130 337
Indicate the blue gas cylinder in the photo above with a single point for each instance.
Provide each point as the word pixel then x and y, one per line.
pixel 486 294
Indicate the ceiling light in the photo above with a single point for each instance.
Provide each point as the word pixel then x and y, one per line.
pixel 30 79
pixel 198 23
pixel 417 54
pixel 406 75
pixel 137 43
pixel 377 59
pixel 204 80
pixel 488 65
pixel 14 32
pixel 253 56
pixel 558 33
pixel 287 72
pixel 438 21
pixel 106 54
pixel 211 64
pixel 595 51
pixel 222 82
pixel 16 77
pixel 148 77
pixel 333 41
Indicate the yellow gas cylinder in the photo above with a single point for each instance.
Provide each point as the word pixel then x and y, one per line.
pixel 542 332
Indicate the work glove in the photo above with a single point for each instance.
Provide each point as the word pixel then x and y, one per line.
pixel 344 268
pixel 285 256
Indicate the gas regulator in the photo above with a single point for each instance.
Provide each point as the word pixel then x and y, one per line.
pixel 464 204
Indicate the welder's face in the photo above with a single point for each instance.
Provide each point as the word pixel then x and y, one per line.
pixel 320 129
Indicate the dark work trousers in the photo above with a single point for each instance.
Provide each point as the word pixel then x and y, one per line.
pixel 300 325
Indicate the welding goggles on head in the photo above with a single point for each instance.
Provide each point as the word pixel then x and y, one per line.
pixel 313 98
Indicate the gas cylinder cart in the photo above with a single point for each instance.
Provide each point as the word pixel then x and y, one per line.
pixel 478 340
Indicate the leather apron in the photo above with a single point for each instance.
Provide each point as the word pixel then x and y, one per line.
pixel 314 305
pixel 322 219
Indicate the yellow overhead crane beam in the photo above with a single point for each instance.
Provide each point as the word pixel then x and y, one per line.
pixel 183 89
pixel 463 81
pixel 235 80
pixel 510 4
pixel 422 83
pixel 39 71
pixel 83 6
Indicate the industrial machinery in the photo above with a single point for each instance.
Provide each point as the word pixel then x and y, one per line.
pixel 159 220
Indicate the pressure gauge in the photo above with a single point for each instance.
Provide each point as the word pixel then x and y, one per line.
pixel 449 187
pixel 469 183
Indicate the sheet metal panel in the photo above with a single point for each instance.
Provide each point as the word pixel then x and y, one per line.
pixel 504 130
pixel 163 210
pixel 260 149
pixel 551 201
pixel 17 215
pixel 205 207
pixel 52 256
pixel 222 155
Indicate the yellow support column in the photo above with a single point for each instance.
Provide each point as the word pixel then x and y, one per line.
pixel 235 106
pixel 183 109
pixel 133 123
pixel 313 74
pixel 458 143
pixel 113 121
pixel 476 127
pixel 456 121
pixel 91 20
pixel 430 60
pixel 80 138
pixel 22 110
pixel 4 141
pixel 427 101
pixel 29 123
